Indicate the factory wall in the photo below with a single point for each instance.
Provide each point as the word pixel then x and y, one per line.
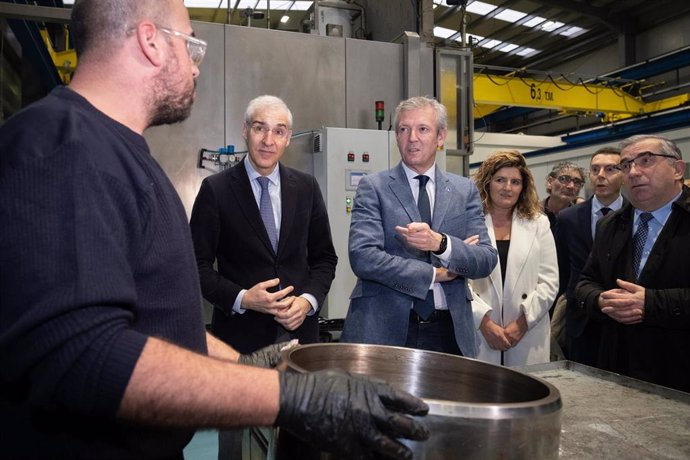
pixel 326 81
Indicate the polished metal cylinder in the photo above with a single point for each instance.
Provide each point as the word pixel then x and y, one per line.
pixel 477 410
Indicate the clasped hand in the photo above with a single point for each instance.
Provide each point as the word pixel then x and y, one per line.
pixel 624 304
pixel 289 311
pixel 503 338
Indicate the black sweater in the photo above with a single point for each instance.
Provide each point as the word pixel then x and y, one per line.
pixel 96 255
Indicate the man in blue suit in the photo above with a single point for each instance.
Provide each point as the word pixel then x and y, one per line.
pixel 576 226
pixel 417 235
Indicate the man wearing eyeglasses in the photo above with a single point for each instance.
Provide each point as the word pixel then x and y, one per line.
pixel 636 279
pixel 576 227
pixel 563 185
pixel 103 351
pixel 417 235
pixel 272 275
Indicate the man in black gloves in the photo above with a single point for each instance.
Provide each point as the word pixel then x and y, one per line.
pixel 103 352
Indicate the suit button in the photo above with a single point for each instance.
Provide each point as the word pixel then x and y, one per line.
pixel 524 296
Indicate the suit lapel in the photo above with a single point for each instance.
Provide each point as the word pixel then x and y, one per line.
pixel 621 246
pixel 585 216
pixel 442 199
pixel 245 200
pixel 288 199
pixel 401 189
pixel 522 235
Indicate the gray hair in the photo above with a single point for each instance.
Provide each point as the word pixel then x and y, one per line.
pixel 97 25
pixel 263 102
pixel 668 147
pixel 420 102
pixel 564 166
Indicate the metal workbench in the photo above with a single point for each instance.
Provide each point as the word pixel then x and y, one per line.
pixel 606 415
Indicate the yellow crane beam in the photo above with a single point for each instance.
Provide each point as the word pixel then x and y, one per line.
pixel 552 94
pixel 65 61
pixel 492 92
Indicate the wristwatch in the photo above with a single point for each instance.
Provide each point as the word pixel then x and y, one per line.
pixel 443 246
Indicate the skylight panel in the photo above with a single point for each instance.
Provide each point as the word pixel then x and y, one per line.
pixel 527 52
pixel 480 8
pixel 573 31
pixel 275 5
pixel 509 15
pixel 491 44
pixel 243 4
pixel 534 21
pixel 442 32
pixel 508 47
pixel 550 26
pixel 301 6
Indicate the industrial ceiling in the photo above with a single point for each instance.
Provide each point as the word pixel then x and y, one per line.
pixel 511 37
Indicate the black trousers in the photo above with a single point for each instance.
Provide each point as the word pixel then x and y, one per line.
pixel 434 334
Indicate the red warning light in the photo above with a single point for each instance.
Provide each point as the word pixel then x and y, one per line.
pixel 380 111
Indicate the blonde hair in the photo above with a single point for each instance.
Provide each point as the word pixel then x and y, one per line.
pixel 527 205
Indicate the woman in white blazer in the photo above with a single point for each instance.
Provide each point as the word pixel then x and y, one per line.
pixel 511 306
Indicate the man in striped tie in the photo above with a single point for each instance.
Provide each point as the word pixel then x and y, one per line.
pixel 636 280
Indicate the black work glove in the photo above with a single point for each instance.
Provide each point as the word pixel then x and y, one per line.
pixel 268 356
pixel 349 415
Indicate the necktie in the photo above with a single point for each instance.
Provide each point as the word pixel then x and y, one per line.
pixel 423 200
pixel 266 210
pixel 639 240
pixel 424 308
pixel 604 211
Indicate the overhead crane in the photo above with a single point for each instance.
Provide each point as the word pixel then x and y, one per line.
pixel 62 53
pixel 610 99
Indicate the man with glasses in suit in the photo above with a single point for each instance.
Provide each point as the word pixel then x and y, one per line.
pixel 576 228
pixel 636 279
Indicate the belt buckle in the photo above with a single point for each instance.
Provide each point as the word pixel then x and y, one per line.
pixel 429 320
pixel 424 321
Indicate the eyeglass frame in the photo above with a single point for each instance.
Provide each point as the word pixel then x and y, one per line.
pixel 626 165
pixel 262 129
pixel 608 169
pixel 565 179
pixel 195 54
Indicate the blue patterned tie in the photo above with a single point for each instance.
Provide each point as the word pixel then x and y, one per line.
pixel 424 307
pixel 639 240
pixel 266 210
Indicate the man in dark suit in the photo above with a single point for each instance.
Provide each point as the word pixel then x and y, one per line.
pixel 407 244
pixel 636 278
pixel 575 236
pixel 267 228
pixel 262 295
